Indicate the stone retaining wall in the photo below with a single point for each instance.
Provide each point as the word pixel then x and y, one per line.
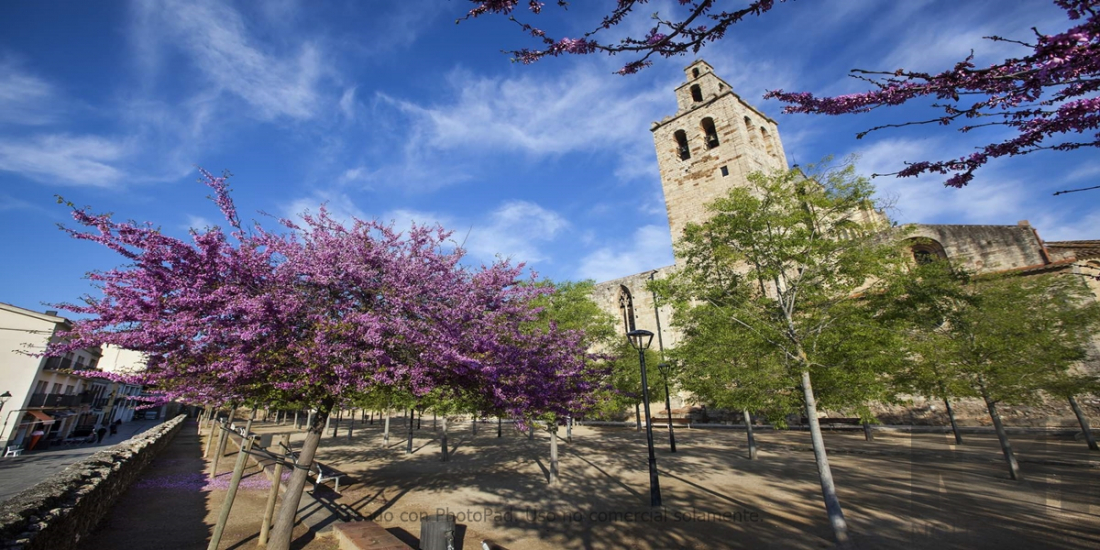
pixel 57 513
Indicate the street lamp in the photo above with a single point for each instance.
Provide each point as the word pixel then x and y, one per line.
pixel 640 340
pixel 665 368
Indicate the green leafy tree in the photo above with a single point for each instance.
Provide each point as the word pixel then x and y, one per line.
pixel 729 368
pixel 919 302
pixel 570 308
pixel 1020 336
pixel 782 261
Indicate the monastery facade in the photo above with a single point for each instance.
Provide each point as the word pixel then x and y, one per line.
pixel 716 139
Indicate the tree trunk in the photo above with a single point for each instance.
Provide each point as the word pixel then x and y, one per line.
pixel 273 495
pixel 409 441
pixel 824 473
pixel 638 416
pixel 954 425
pixel 1006 447
pixel 868 435
pixel 569 429
pixel 328 423
pixel 372 418
pixel 336 423
pixel 209 440
pixel 351 423
pixel 386 430
pixel 748 433
pixel 419 417
pixel 231 494
pixel 553 452
pixel 248 425
pixel 1084 421
pixel 296 425
pixel 499 423
pixel 473 429
pixel 219 451
pixel 283 529
pixel 443 439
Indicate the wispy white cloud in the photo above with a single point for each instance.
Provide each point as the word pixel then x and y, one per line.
pixel 1054 226
pixel 338 205
pixel 650 247
pixel 197 223
pixel 515 230
pixel 348 103
pixel 64 159
pixel 25 98
pixel 222 47
pixel 537 114
pixel 1086 170
pixel 993 198
pixel 8 202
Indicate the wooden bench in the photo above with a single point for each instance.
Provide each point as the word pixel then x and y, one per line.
pixel 366 535
pixel 676 421
pixel 318 471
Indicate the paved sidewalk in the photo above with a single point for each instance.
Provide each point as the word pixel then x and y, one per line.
pixel 174 506
pixel 19 473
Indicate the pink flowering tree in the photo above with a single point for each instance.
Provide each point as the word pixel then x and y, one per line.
pixel 697 24
pixel 319 313
pixel 1046 96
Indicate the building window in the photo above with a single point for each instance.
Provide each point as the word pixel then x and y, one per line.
pixel 695 72
pixel 696 93
pixel 767 141
pixel 626 308
pixel 748 128
pixel 682 144
pixel 725 171
pixel 926 251
pixel 710 133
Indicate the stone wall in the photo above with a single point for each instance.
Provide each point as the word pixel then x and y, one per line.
pixel 986 248
pixel 57 513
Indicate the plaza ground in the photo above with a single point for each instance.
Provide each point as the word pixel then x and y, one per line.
pixel 899 491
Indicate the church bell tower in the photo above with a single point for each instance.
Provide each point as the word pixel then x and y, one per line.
pixel 710 145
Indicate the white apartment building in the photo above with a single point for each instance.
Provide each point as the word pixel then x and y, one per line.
pixel 52 396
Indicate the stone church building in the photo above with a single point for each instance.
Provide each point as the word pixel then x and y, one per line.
pixel 716 139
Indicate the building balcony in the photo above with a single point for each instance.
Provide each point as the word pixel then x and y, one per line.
pixel 58 363
pixel 48 400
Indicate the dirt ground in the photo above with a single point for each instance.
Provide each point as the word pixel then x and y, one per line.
pixel 175 507
pixel 899 491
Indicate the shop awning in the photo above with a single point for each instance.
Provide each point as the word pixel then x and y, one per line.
pixel 42 417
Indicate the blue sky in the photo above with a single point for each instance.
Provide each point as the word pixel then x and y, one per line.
pixel 389 110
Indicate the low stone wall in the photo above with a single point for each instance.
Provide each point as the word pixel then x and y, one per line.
pixel 57 513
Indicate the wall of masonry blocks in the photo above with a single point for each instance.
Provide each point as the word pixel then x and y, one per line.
pixel 57 513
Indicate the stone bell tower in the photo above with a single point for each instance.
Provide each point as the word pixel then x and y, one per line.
pixel 710 145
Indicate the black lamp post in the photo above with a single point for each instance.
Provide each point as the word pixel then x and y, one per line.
pixel 665 368
pixel 641 339
pixel 4 399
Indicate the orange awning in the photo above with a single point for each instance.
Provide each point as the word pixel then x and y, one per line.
pixel 41 416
